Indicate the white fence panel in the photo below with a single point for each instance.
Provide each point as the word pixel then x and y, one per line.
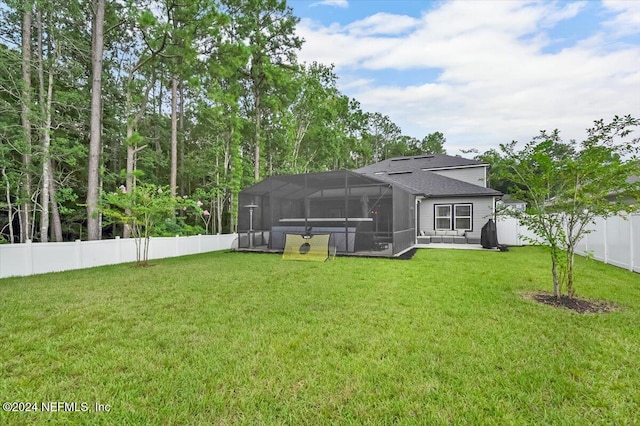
pixel 15 260
pixel 226 241
pixel 211 242
pixel 615 240
pixel 163 247
pixel 635 242
pixel 189 246
pixel 37 258
pixel 597 240
pixel 128 250
pixel 53 257
pixel 508 233
pixel 98 253
pixel 512 233
pixel 581 247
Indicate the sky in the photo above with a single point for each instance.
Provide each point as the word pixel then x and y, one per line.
pixel 480 72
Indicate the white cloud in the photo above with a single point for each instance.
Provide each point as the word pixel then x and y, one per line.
pixel 496 83
pixel 334 3
pixel 382 23
pixel 627 18
pixel 570 10
pixel 354 82
pixel 332 45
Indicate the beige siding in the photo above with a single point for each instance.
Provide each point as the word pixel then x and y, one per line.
pixel 482 211
pixel 473 175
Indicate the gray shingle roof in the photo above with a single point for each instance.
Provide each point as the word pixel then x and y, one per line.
pixel 409 173
pixel 418 162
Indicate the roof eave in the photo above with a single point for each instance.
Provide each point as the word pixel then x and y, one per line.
pixel 498 194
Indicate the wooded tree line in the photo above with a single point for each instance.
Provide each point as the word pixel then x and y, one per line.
pixel 206 97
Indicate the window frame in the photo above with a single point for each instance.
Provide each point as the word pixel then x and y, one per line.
pixel 470 216
pixel 452 216
pixel 436 217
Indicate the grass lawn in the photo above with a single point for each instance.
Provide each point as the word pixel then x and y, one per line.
pixel 227 338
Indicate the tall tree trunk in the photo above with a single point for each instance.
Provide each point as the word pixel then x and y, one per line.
pixel 257 122
pixel 183 185
pixel 55 211
pixel 93 183
pixel 126 233
pixel 45 107
pixel 236 178
pixel 157 131
pixel 219 192
pixel 174 136
pixel 131 152
pixel 25 220
pixel 46 165
pixel 9 205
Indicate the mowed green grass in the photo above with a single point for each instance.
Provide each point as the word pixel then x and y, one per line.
pixel 234 338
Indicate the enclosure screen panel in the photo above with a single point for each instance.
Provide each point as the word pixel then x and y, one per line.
pixel 404 232
pixel 312 247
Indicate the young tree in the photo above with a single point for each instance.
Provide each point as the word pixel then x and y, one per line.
pixel 568 185
pixel 142 209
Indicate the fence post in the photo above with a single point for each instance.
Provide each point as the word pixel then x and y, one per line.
pixel 586 243
pixel 606 246
pixel 631 247
pixel 177 245
pixel 118 249
pixel 199 243
pixel 78 254
pixel 29 257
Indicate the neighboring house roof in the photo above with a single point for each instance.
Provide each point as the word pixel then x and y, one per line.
pixel 420 162
pixel 411 173
pixel 508 199
pixel 629 200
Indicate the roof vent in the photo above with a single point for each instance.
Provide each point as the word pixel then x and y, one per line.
pixel 401 159
pixel 378 173
pixel 403 172
pixel 423 156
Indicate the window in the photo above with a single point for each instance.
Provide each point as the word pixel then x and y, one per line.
pixel 443 216
pixel 462 217
pixel 454 216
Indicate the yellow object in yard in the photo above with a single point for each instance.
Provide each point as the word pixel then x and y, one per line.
pixel 306 247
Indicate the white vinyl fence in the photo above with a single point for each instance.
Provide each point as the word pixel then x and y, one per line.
pixel 38 258
pixel 615 240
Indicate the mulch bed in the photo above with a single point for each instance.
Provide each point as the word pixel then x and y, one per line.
pixel 580 306
pixel 407 255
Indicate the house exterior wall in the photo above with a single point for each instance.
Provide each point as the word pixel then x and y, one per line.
pixel 472 175
pixel 482 211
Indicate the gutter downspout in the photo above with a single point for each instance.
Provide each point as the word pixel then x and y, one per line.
pixel 418 201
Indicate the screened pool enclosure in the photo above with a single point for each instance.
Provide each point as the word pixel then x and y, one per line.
pixel 362 215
